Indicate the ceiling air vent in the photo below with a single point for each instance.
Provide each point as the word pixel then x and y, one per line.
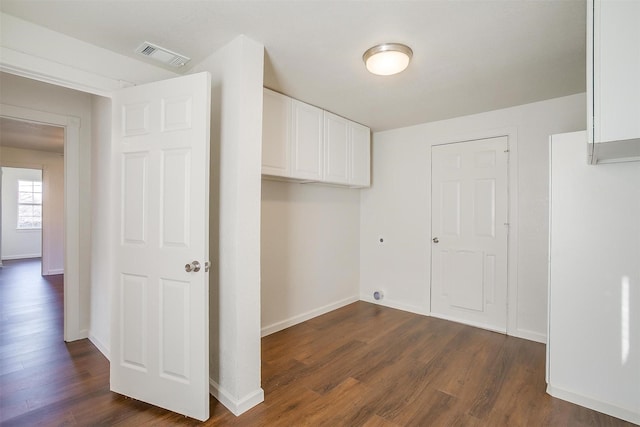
pixel 161 54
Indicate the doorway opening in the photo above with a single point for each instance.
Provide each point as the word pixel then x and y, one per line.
pixel 67 228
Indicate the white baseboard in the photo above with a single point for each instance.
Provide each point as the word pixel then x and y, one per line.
pixel 54 271
pixel 529 335
pixel 236 406
pixel 519 333
pixel 394 304
pixel 474 324
pixel 284 324
pixel 104 349
pixel 82 334
pixel 596 405
pixel 23 256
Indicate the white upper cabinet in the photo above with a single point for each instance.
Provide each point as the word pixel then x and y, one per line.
pixel 336 149
pixel 305 143
pixel 306 148
pixel 360 171
pixel 276 134
pixel 613 79
pixel 347 152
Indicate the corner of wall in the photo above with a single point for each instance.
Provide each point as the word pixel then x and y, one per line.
pixel 236 406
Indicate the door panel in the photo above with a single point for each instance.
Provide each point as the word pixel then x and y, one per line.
pixel 175 198
pixel 134 200
pixel 133 317
pixel 174 327
pixel 450 205
pixel 469 232
pixel 160 329
pixel 463 279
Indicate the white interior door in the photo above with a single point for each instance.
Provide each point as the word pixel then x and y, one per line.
pixel 160 317
pixel 469 216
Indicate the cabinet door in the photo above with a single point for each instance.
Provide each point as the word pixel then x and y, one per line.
pixel 336 149
pixel 360 172
pixel 276 134
pixel 615 32
pixel 307 141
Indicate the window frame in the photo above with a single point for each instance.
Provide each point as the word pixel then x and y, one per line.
pixel 32 203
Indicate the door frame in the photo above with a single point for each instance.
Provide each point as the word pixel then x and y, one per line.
pixel 512 242
pixel 71 125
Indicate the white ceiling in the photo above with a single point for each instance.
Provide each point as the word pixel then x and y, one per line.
pixel 31 136
pixel 469 56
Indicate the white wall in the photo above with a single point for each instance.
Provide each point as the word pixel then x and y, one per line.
pixel 397 206
pixel 52 165
pixel 34 95
pixel 236 151
pixel 17 244
pixel 102 227
pixel 594 319
pixel 310 248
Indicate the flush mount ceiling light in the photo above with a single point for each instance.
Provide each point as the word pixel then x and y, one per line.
pixel 387 58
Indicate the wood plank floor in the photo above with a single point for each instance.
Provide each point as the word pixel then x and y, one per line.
pixel 362 365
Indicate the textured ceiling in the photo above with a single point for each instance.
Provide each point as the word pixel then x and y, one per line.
pixel 469 56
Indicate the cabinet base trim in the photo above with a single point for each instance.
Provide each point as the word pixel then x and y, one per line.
pixel 596 405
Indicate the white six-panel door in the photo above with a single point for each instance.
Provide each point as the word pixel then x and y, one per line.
pixel 469 232
pixel 160 316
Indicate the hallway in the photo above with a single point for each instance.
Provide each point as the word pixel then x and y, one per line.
pixel 34 359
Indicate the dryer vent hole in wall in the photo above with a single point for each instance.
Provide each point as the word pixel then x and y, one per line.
pixel 378 295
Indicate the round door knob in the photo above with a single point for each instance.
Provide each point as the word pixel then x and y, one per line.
pixel 194 266
pixel 435 240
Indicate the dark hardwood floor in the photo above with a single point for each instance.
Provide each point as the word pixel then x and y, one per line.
pixel 362 365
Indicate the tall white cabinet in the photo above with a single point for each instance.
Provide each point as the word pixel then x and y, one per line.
pixel 593 348
pixel 613 80
pixel 301 142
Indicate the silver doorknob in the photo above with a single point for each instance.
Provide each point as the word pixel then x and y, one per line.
pixel 435 240
pixel 194 266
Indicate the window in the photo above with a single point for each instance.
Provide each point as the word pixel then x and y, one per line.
pixel 29 205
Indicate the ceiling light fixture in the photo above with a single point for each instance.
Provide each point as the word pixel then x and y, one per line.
pixel 387 58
